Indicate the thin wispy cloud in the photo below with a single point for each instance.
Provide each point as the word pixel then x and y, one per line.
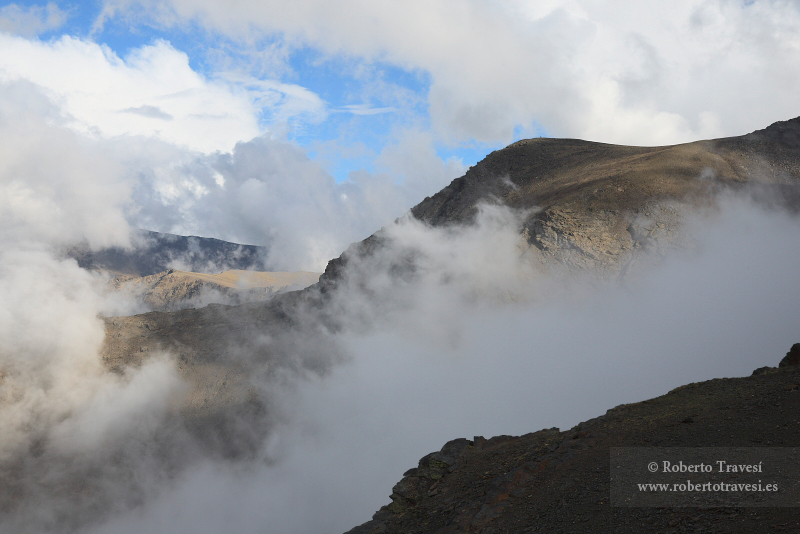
pixel 365 109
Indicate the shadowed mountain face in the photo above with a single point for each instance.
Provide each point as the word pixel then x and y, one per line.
pixel 155 252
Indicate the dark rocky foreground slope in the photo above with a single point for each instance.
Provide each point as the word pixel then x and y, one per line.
pixel 560 482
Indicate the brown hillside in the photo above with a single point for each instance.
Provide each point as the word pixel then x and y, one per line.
pixel 599 206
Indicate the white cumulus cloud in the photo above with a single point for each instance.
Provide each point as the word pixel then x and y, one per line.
pixel 153 91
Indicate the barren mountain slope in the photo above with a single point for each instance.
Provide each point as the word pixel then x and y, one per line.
pixel 594 205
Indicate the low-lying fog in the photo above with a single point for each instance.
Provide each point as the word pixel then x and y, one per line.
pixel 474 343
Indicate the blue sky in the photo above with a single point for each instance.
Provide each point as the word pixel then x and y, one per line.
pixel 307 125
pixel 363 120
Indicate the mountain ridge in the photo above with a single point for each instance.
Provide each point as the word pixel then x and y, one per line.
pixel 599 206
pixel 175 289
pixel 155 252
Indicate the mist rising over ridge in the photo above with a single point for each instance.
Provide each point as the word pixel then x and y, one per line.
pixel 475 312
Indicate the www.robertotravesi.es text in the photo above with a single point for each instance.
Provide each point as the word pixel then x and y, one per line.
pixel 707 487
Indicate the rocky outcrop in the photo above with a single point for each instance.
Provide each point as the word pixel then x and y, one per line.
pixel 554 481
pixel 792 357
pixel 419 481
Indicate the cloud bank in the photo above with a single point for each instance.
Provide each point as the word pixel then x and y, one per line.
pixel 622 72
pixel 444 333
